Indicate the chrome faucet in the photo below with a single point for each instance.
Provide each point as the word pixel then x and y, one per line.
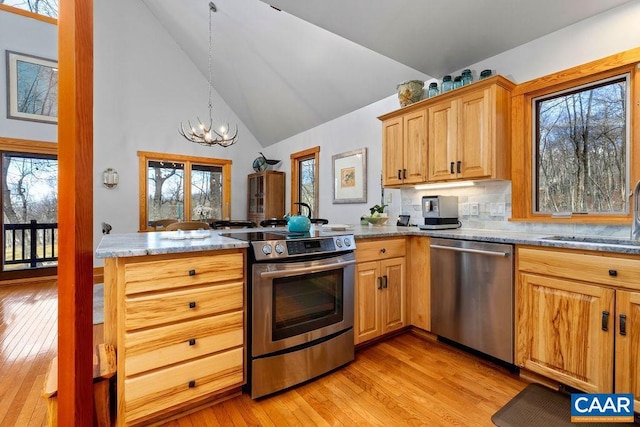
pixel 635 225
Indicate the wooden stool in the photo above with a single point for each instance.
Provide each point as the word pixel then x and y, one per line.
pixel 104 367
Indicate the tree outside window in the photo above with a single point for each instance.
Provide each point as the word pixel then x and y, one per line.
pixel 41 7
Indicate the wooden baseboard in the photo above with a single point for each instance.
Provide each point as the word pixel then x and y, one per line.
pixel 532 377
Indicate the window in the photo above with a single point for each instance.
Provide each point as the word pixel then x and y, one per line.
pixel 574 154
pixel 172 186
pixel 45 10
pixel 581 149
pixel 29 208
pixel 304 179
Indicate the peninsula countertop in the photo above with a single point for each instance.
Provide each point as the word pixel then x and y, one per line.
pixel 167 242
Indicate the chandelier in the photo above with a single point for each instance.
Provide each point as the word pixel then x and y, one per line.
pixel 206 135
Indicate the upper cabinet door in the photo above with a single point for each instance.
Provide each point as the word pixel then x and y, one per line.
pixel 415 147
pixel 475 135
pixel 392 151
pixel 443 140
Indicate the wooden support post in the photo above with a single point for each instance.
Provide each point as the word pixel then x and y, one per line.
pixel 75 184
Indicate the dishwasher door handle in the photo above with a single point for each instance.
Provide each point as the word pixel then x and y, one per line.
pixel 472 251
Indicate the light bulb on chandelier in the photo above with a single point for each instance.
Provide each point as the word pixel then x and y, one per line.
pixel 206 135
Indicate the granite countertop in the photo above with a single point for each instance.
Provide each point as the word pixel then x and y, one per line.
pixel 155 243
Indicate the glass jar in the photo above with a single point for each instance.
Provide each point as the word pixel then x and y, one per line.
pixel 447 84
pixel 485 73
pixel 466 77
pixel 457 82
pixel 433 90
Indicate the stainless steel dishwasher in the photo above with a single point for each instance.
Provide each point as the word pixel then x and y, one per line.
pixel 472 295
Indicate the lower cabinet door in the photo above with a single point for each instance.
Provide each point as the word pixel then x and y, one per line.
pixel 393 305
pixel 367 295
pixel 566 331
pixel 628 344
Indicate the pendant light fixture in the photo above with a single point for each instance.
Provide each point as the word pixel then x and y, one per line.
pixel 207 135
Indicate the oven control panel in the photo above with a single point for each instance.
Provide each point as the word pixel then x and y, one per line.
pixel 269 250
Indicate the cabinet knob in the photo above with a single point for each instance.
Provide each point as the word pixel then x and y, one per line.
pixel 383 250
pixel 613 273
pixel 192 341
pixel 192 383
pixel 192 272
pixel 192 304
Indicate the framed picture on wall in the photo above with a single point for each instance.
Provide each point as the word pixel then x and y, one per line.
pixel 350 177
pixel 32 88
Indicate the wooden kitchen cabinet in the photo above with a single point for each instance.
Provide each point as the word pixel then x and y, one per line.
pixel 266 193
pixel 468 132
pixel 404 149
pixel 177 322
pixel 380 289
pixel 461 134
pixel 578 318
pixel 419 281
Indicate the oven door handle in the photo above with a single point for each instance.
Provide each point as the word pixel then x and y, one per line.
pixel 306 270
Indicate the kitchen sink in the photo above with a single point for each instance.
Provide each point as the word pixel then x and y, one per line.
pixel 596 240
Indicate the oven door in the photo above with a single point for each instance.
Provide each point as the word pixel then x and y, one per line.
pixel 296 303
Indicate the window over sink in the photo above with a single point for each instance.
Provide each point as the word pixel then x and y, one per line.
pixel 184 188
pixel 575 154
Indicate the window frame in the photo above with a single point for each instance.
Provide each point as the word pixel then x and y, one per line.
pixel 143 160
pixel 523 140
pixel 28 14
pixel 26 146
pixel 296 159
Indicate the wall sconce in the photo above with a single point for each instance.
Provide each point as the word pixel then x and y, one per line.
pixel 110 178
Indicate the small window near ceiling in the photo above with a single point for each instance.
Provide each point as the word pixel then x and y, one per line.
pixel 581 144
pixel 41 7
pixel 304 179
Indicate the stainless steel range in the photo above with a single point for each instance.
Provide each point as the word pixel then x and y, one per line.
pixel 301 289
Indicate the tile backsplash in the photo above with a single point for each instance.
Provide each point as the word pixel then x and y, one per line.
pixel 492 199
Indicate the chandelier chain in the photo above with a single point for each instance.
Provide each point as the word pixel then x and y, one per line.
pixel 207 135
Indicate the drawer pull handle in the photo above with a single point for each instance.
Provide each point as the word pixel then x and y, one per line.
pixel 404 174
pixel 623 324
pixel 605 320
pixel 379 282
pixel 383 250
pixel 399 176
pixel 192 383
pixel 192 304
pixel 192 341
pixel 192 272
pixel 459 166
pixel 451 169
pixel 385 282
pixel 613 273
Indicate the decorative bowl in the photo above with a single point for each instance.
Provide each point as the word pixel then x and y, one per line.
pixel 376 220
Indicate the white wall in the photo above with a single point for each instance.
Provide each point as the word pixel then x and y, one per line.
pixel 32 37
pixel 144 87
pixel 608 33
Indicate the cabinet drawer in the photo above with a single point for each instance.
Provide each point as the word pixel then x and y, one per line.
pixel 166 345
pixel 176 273
pixel 166 307
pixel 605 270
pixel 160 390
pixel 376 250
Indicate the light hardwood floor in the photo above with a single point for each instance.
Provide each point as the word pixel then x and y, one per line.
pixel 405 380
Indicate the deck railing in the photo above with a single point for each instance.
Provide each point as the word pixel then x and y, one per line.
pixel 33 243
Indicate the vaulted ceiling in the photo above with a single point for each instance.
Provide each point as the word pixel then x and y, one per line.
pixel 291 67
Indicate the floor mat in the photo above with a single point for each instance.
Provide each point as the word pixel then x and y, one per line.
pixel 539 406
